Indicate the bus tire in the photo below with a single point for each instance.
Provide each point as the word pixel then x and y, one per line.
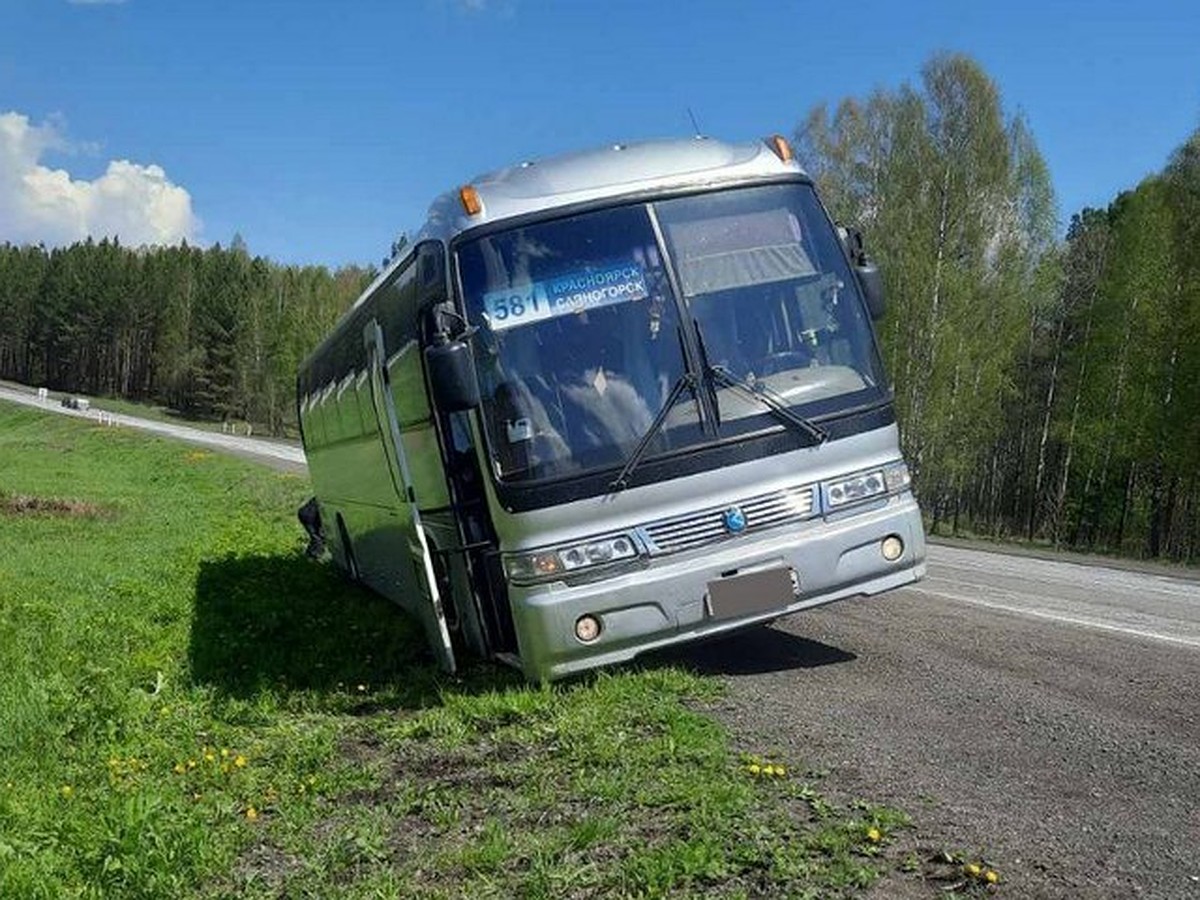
pixel 349 563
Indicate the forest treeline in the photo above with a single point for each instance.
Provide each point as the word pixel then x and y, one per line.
pixel 1047 388
pixel 213 333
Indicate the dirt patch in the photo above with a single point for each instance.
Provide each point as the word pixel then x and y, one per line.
pixel 450 798
pixel 24 505
pixel 266 864
pixel 469 771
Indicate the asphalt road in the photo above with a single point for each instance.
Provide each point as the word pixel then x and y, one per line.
pixel 271 452
pixel 1042 714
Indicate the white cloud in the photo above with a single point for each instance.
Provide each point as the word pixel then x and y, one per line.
pixel 136 203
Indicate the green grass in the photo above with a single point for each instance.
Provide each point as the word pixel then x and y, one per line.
pixel 188 707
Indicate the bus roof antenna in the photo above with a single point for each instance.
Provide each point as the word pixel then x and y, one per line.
pixel 695 124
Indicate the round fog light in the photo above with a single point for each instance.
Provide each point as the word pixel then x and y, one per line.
pixel 892 547
pixel 587 628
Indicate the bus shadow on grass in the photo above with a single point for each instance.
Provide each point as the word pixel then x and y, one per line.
pixel 286 625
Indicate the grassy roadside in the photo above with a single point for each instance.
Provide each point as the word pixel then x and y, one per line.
pixel 189 708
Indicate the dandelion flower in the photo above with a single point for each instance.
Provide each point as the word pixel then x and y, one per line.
pixel 991 876
pixel 240 761
pixel 224 753
pixel 180 768
pixel 209 756
pixel 754 769
pixel 874 835
pixel 191 764
pixel 972 869
pixel 251 813
pixel 67 791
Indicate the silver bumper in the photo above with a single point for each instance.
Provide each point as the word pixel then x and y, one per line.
pixel 664 602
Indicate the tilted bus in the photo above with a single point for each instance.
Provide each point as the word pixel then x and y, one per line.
pixel 613 401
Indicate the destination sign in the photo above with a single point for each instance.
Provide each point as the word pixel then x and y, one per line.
pixel 571 293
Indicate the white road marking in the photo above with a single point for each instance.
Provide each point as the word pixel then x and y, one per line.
pixel 1144 605
pixel 1070 572
pixel 1056 617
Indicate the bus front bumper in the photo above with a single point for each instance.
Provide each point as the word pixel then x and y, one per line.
pixel 665 601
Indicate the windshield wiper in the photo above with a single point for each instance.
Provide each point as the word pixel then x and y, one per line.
pixel 760 392
pixel 770 400
pixel 686 380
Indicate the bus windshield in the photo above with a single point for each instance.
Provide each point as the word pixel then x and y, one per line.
pixel 763 275
pixel 581 334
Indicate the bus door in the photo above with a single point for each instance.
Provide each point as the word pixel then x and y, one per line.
pixel 414 584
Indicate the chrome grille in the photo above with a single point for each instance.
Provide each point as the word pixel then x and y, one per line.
pixel 697 529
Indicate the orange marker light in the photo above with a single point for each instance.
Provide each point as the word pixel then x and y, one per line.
pixel 470 200
pixel 781 147
pixel 546 563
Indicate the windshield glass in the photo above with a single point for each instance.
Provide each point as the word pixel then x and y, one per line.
pixel 578 345
pixel 763 274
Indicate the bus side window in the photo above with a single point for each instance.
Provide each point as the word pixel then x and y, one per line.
pixel 399 312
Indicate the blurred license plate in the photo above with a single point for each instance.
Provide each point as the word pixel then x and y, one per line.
pixel 754 592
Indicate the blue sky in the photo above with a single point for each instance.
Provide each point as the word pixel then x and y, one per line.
pixel 319 130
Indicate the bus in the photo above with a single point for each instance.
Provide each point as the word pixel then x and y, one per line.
pixel 612 401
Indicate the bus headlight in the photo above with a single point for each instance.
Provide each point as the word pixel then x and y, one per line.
pixel 890 479
pixel 855 488
pixel 554 562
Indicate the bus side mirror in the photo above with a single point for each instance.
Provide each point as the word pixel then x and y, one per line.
pixel 451 368
pixel 872 288
pixel 869 278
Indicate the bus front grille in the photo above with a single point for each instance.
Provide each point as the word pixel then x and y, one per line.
pixel 697 529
